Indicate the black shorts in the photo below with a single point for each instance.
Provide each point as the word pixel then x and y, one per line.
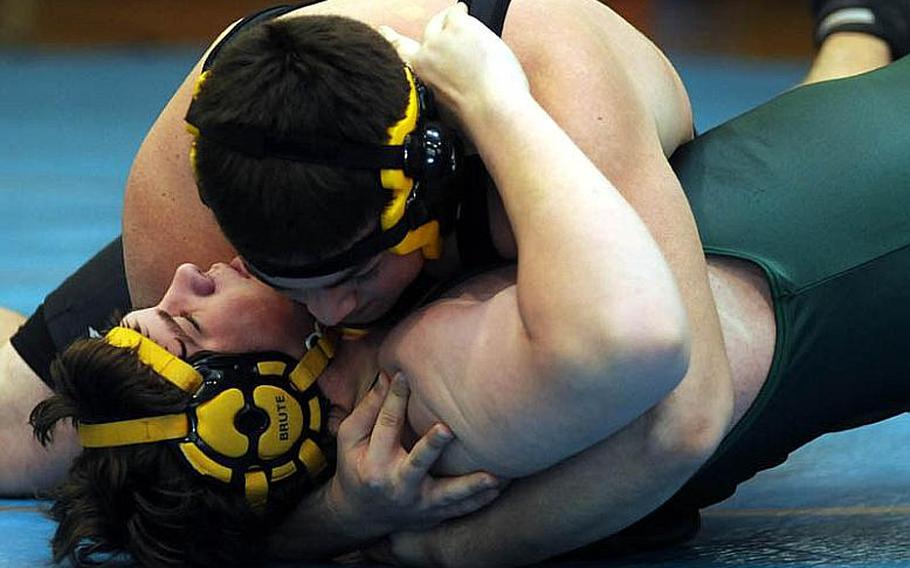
pixel 91 298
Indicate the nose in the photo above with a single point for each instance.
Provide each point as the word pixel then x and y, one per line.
pixel 189 282
pixel 331 305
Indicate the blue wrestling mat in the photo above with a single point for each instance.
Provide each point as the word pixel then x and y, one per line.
pixel 69 126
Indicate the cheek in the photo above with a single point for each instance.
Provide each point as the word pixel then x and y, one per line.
pixel 284 325
pixel 403 272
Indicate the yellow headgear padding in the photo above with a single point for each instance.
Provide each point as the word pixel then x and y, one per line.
pixel 204 464
pixel 136 431
pixel 200 80
pixel 282 471
pixel 257 489
pixel 426 237
pixel 312 457
pixel 216 424
pixel 312 364
pixel 315 414
pixel 271 368
pixel 285 421
pixel 194 131
pixel 353 333
pixel 171 367
pixel 395 180
pixel 326 346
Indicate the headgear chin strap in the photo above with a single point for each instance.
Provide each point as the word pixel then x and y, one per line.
pixel 420 153
pixel 253 420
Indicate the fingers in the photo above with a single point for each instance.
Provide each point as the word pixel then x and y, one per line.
pixel 385 441
pixel 405 46
pixel 448 492
pixel 468 505
pixel 455 13
pixel 359 424
pixel 443 19
pixel 424 454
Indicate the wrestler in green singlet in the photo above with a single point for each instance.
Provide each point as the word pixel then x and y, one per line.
pixel 801 192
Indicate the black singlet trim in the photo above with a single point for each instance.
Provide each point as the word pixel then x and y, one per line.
pixel 473 231
pixel 490 12
pixel 258 17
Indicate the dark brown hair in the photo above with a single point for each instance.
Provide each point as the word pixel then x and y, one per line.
pixel 143 500
pixel 319 77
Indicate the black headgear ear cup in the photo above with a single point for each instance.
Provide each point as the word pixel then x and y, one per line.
pixel 432 153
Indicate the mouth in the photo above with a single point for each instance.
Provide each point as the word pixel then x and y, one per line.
pixel 366 315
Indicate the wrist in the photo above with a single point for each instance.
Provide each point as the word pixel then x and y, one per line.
pixel 346 519
pixel 416 549
pixel 488 114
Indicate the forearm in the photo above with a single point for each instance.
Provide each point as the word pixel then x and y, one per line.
pixel 26 466
pixel 317 531
pixel 582 500
pixel 593 288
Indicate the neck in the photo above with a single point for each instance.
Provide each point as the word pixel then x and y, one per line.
pixel 351 374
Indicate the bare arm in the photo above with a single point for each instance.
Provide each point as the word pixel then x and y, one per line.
pixel 26 466
pixel 378 486
pixel 619 480
pixel 594 323
pixel 583 499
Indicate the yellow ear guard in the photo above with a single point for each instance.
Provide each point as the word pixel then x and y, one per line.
pixel 425 237
pixel 253 420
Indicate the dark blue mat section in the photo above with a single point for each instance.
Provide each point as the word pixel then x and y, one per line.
pixel 69 126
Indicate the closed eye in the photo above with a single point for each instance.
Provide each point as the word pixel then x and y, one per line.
pixel 193 321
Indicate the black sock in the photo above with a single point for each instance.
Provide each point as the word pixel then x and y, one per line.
pixel 885 19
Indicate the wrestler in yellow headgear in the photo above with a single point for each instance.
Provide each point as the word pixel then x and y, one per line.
pixel 253 419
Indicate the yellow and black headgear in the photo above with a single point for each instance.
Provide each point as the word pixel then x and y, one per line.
pixel 253 420
pixel 417 164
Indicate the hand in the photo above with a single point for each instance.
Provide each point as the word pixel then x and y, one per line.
pixel 379 487
pixel 464 62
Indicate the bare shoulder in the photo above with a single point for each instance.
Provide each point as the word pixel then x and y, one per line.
pixel 567 42
pixel 164 223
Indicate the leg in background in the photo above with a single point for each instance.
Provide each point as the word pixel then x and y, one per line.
pixel 25 466
pixel 844 54
pixel 9 323
pixel 855 36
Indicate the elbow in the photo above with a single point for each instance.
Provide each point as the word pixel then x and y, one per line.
pixel 650 351
pixel 691 434
pixel 692 442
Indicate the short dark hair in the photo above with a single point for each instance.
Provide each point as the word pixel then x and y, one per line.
pixel 144 500
pixel 326 77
